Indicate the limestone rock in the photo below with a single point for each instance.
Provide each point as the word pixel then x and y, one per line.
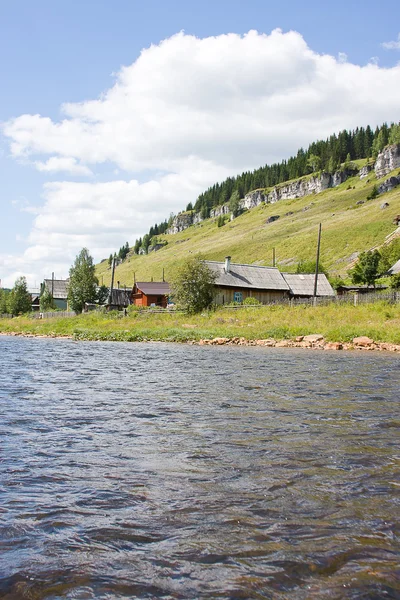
pixel 388 184
pixel 364 171
pixel 388 160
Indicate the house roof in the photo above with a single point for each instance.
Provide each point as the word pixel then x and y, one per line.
pixel 247 276
pixel 59 287
pixel 302 284
pixel 153 288
pixel 395 269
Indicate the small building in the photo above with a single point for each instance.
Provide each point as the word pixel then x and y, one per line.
pixel 58 288
pixel 236 282
pixel 302 285
pixel 35 302
pixel 341 290
pixel 119 299
pixel 151 293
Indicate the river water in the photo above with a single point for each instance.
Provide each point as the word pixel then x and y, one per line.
pixel 174 471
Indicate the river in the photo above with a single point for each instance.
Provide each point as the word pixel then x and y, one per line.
pixel 177 471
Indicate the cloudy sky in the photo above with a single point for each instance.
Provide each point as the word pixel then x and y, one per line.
pixel 115 114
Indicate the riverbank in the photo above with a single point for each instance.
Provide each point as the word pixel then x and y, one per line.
pixel 333 327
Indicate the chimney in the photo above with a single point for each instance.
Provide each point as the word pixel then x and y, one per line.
pixel 227 264
pixel 118 284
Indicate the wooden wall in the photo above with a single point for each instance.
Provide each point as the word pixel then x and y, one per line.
pixel 227 295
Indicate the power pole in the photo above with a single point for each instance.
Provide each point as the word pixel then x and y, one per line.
pixel 317 263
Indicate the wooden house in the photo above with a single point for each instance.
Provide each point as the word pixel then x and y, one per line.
pixel 151 293
pixel 119 299
pixel 58 288
pixel 236 282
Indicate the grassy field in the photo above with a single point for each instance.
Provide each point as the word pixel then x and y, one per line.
pixel 341 323
pixel 347 228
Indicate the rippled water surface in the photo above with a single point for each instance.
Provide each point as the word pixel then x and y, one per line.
pixel 172 471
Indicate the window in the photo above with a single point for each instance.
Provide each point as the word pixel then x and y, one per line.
pixel 238 297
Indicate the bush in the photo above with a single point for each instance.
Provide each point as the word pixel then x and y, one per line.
pixel 251 301
pixel 374 193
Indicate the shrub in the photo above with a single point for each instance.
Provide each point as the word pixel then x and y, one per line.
pixel 251 301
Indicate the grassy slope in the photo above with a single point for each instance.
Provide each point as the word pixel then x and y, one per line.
pixel 346 229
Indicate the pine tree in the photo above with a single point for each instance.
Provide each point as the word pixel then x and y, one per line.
pixel 20 300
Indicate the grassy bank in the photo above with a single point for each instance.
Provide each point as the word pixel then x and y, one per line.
pixel 380 321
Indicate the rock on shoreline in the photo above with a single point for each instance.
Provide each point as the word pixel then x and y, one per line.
pixel 314 341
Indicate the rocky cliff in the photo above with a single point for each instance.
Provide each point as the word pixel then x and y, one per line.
pixel 285 191
pixel 388 160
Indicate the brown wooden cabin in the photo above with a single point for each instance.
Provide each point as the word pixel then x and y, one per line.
pixel 150 293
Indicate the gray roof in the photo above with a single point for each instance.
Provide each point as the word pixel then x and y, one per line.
pixel 302 284
pixel 395 269
pixel 57 287
pixel 153 288
pixel 247 276
pixel 120 297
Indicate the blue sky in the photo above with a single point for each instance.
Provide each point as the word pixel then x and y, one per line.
pixel 174 123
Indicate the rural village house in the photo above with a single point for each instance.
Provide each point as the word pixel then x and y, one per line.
pixel 151 293
pixel 58 288
pixel 236 282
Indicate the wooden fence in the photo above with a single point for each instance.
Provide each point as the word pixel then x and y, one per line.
pixel 392 297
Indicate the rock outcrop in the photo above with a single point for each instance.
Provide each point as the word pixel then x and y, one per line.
pixel 365 171
pixel 299 188
pixel 388 160
pixel 285 191
pixel 389 184
pixel 181 222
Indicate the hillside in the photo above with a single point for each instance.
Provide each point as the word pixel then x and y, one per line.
pixel 347 228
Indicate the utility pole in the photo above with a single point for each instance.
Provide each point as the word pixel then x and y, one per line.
pixel 317 263
pixel 273 257
pixel 112 282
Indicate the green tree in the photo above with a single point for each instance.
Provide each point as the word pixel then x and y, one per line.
pixel 389 256
pixel 20 300
pixel 221 221
pixel 102 294
pixel 3 302
pixel 394 135
pixel 308 266
pixel 314 163
pixel 234 203
pixel 395 281
pixel 47 301
pixel 366 269
pixel 82 281
pixel 192 286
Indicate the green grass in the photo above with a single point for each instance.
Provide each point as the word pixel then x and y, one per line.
pixel 380 321
pixel 347 228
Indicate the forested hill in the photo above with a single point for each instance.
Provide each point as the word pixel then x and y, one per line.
pixel 326 155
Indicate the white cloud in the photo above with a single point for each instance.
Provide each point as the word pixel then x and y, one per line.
pixel 65 164
pixel 395 45
pixel 187 113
